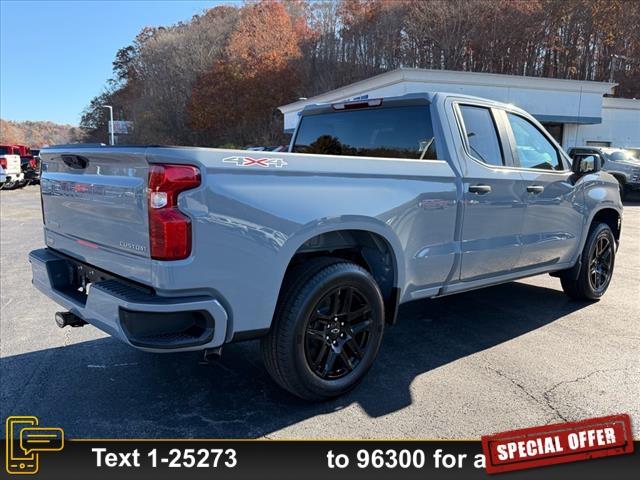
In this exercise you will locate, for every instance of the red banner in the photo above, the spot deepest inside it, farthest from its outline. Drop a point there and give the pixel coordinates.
(558, 443)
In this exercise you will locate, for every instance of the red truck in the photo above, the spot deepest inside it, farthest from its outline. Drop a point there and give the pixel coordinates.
(30, 164)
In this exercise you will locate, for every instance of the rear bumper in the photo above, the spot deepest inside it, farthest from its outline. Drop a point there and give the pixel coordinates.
(14, 177)
(138, 317)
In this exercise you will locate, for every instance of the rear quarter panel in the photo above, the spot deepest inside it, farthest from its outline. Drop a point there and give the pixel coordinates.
(248, 221)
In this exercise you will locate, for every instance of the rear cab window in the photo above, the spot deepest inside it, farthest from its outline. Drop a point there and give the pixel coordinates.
(392, 132)
(481, 134)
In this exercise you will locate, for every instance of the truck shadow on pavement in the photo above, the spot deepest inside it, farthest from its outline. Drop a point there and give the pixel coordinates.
(105, 389)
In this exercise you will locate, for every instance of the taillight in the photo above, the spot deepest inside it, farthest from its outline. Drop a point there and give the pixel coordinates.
(169, 228)
(3, 163)
(33, 163)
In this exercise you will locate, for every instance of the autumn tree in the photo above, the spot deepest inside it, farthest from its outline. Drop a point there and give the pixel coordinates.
(219, 77)
(154, 77)
(236, 100)
(37, 134)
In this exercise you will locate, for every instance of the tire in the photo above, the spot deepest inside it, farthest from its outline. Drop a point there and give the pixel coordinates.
(307, 351)
(585, 284)
(12, 185)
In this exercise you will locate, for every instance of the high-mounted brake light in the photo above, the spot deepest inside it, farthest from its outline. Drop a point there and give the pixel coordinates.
(169, 228)
(355, 104)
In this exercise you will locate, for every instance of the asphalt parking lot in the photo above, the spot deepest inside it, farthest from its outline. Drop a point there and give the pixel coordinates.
(512, 356)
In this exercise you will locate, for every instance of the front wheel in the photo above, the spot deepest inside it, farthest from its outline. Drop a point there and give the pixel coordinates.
(327, 329)
(592, 279)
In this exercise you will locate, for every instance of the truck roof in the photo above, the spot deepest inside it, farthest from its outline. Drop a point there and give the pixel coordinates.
(419, 98)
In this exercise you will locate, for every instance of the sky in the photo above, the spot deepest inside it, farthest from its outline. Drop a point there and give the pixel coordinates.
(56, 55)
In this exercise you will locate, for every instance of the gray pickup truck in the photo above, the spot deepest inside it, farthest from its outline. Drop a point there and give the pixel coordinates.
(378, 202)
(620, 163)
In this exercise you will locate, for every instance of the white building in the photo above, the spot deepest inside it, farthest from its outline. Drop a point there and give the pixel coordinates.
(575, 112)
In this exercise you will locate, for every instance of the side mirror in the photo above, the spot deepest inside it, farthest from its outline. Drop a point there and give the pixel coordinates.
(584, 163)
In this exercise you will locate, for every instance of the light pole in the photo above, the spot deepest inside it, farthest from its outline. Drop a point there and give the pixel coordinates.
(111, 139)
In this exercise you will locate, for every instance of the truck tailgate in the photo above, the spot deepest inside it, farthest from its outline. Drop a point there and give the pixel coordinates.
(13, 165)
(93, 199)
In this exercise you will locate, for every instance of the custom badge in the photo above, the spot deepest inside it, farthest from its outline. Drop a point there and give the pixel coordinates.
(255, 162)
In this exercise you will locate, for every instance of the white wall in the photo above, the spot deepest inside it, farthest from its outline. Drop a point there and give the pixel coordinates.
(538, 96)
(620, 125)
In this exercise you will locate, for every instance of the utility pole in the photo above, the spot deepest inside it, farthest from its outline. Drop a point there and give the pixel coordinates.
(111, 138)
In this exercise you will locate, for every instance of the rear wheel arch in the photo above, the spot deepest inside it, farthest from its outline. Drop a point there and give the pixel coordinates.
(371, 250)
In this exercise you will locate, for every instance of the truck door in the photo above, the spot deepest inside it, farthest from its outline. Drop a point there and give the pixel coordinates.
(493, 208)
(552, 225)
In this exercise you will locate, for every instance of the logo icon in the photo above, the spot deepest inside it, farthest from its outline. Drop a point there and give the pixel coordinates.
(256, 162)
(25, 440)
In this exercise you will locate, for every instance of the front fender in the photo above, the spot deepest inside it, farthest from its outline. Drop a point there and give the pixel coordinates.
(601, 192)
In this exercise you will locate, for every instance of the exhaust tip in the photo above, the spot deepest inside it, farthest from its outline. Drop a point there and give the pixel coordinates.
(64, 319)
(60, 320)
(211, 354)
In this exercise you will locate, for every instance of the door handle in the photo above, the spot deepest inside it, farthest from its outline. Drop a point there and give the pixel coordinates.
(535, 188)
(480, 189)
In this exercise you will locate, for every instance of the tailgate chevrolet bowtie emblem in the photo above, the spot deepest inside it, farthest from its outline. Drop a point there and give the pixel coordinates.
(255, 162)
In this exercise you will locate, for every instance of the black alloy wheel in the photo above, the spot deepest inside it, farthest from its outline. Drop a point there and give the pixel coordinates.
(327, 328)
(590, 277)
(600, 264)
(338, 332)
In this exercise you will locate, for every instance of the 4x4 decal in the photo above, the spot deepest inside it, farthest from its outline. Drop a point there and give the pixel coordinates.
(255, 162)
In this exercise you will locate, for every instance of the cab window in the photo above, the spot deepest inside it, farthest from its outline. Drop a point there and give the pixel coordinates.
(533, 148)
(482, 135)
(396, 132)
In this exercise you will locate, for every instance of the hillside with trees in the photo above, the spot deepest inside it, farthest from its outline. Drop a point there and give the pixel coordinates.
(219, 78)
(38, 134)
